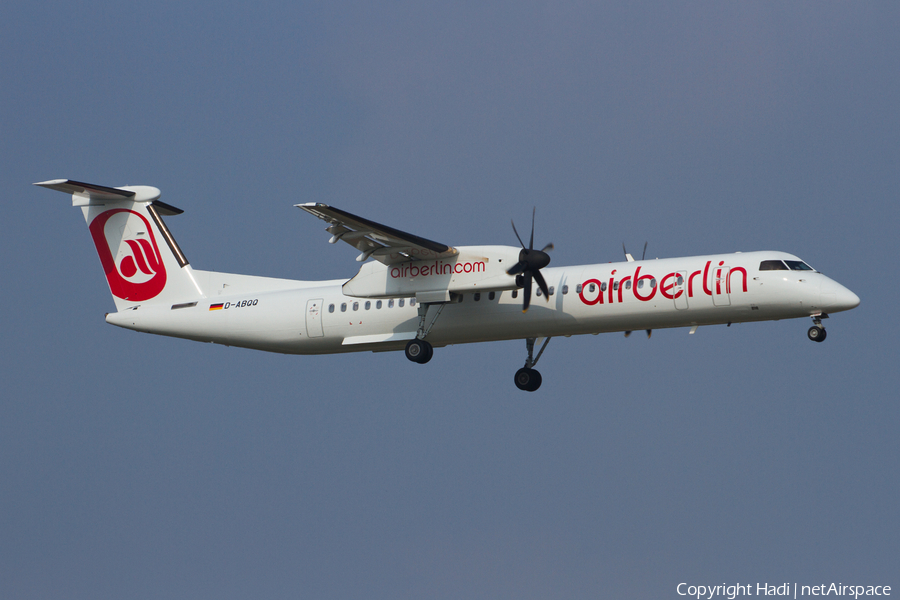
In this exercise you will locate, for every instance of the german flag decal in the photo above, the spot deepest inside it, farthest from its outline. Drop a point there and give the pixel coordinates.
(216, 306)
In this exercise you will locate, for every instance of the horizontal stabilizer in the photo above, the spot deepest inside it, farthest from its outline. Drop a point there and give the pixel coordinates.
(101, 192)
(89, 194)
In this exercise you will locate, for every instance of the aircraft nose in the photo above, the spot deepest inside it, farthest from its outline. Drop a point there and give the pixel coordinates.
(835, 297)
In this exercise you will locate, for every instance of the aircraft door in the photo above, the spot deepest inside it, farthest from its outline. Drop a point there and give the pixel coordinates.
(719, 287)
(314, 318)
(679, 290)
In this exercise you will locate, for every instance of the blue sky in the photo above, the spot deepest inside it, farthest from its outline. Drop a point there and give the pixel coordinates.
(146, 467)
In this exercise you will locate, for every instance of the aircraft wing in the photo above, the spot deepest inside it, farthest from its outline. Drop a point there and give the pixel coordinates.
(385, 244)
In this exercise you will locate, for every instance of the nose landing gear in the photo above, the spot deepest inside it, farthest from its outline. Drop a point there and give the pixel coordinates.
(817, 332)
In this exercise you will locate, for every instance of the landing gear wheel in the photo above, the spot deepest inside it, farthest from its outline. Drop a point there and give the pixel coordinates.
(528, 380)
(419, 351)
(816, 333)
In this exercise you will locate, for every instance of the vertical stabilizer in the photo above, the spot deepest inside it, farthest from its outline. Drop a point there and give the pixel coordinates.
(139, 256)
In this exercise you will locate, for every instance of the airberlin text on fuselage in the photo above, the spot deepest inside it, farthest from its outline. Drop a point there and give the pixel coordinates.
(436, 268)
(671, 286)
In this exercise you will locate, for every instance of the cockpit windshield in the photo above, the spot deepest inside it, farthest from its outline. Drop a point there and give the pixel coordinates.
(772, 265)
(786, 265)
(798, 265)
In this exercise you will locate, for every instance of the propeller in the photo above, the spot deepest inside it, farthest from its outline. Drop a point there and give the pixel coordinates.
(530, 263)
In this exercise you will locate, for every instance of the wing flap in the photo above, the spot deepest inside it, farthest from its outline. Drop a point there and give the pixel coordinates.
(381, 242)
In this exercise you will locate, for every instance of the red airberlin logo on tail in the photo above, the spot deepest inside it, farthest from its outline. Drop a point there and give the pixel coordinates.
(137, 273)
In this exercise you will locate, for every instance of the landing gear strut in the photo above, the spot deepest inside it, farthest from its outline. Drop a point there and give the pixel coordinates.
(817, 332)
(527, 378)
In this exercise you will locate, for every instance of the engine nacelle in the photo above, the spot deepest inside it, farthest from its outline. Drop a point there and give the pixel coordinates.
(475, 268)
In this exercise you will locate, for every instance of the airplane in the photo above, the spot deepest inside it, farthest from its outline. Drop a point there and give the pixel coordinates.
(416, 294)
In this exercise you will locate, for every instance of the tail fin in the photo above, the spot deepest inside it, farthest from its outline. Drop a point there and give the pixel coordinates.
(142, 262)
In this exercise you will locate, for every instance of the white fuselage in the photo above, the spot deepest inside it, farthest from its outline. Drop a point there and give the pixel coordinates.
(297, 317)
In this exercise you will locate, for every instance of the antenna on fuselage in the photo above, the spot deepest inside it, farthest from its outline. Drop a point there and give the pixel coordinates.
(629, 257)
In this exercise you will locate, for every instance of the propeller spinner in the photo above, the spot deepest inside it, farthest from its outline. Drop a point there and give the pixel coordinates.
(530, 263)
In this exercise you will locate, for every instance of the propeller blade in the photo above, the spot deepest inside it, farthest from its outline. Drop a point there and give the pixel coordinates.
(627, 333)
(548, 247)
(644, 253)
(649, 333)
(517, 268)
(531, 241)
(542, 284)
(517, 234)
(527, 290)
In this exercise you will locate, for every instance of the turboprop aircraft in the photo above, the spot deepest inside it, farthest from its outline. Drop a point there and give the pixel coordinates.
(414, 294)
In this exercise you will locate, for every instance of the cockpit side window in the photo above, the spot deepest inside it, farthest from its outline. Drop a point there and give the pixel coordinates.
(772, 265)
(798, 265)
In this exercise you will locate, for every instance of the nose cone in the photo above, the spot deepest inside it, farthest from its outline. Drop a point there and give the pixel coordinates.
(835, 297)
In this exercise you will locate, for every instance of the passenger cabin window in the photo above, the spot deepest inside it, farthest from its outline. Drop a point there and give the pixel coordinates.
(552, 290)
(412, 301)
(578, 289)
(772, 265)
(538, 291)
(378, 304)
(343, 307)
(565, 290)
(400, 302)
(492, 295)
(368, 304)
(331, 308)
(515, 294)
(356, 306)
(477, 296)
(798, 265)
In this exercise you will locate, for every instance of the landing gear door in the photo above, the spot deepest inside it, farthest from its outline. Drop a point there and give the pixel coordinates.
(314, 318)
(679, 290)
(719, 286)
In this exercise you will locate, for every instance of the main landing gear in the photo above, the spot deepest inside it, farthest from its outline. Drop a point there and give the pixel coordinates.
(418, 350)
(817, 332)
(527, 378)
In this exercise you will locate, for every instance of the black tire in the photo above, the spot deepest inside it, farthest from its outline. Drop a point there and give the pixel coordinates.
(419, 351)
(816, 333)
(528, 380)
